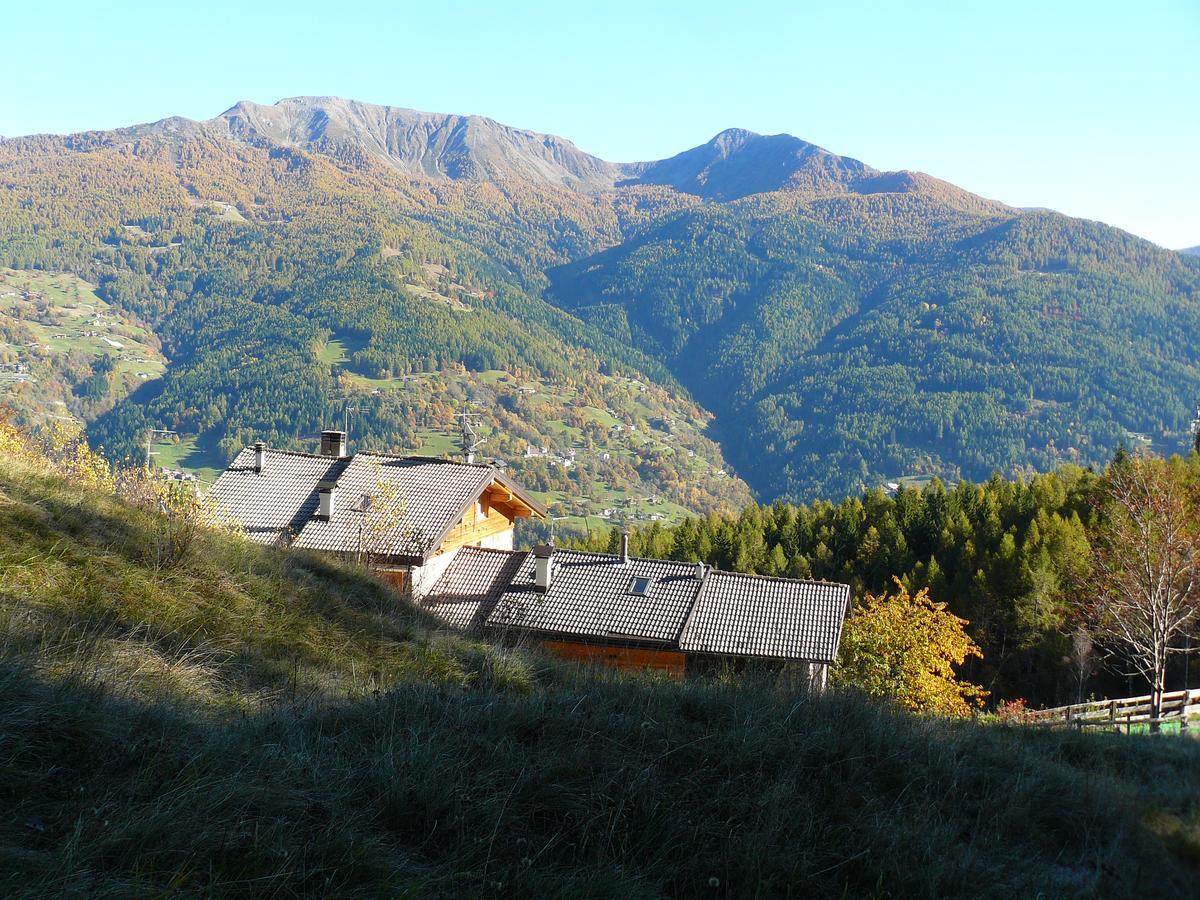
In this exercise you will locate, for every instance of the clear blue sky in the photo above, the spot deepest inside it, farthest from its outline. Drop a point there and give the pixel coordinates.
(1092, 108)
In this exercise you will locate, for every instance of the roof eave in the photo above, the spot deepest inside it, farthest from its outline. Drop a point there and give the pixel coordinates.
(517, 491)
(577, 637)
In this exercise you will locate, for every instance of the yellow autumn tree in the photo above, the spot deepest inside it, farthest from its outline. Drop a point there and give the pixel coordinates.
(14, 442)
(60, 448)
(68, 450)
(906, 647)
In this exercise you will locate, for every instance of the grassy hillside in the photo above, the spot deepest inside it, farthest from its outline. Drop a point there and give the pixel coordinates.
(249, 721)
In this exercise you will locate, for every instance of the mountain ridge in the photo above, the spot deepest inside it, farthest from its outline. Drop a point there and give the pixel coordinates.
(846, 326)
(733, 164)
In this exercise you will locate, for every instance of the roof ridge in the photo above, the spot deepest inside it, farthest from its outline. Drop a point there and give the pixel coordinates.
(417, 457)
(818, 581)
(697, 595)
(301, 453)
(413, 456)
(616, 557)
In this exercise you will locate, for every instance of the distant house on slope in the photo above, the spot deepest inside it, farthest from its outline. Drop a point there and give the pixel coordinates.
(637, 613)
(408, 514)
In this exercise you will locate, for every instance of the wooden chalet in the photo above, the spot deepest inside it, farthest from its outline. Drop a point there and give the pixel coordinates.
(640, 613)
(443, 531)
(407, 514)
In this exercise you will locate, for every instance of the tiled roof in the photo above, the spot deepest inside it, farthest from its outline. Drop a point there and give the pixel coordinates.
(589, 596)
(750, 615)
(415, 500)
(471, 585)
(281, 499)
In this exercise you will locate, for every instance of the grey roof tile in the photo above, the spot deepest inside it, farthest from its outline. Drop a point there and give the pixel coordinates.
(278, 501)
(473, 582)
(781, 618)
(416, 500)
(589, 597)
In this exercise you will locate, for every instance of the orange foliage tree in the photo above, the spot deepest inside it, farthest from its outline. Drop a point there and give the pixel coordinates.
(905, 647)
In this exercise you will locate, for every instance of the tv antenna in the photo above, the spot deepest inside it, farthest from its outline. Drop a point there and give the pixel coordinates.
(471, 441)
(346, 419)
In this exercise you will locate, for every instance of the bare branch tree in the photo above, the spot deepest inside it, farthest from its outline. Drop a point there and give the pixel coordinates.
(384, 529)
(1147, 591)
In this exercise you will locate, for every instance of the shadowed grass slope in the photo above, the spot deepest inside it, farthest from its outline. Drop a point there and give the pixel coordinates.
(253, 722)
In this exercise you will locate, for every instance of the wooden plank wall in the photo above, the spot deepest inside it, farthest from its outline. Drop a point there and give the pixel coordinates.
(496, 518)
(672, 661)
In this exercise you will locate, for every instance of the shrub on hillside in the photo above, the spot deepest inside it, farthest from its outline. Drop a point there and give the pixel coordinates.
(59, 448)
(906, 647)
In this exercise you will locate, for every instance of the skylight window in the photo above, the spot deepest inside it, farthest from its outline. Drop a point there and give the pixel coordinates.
(638, 585)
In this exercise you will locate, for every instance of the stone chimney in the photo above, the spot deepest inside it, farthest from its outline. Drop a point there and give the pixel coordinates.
(326, 494)
(333, 443)
(543, 570)
(260, 457)
(624, 547)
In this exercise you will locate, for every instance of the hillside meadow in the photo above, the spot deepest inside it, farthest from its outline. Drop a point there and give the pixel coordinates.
(238, 720)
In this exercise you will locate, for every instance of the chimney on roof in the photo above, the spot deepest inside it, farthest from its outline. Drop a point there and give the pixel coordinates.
(543, 559)
(260, 456)
(700, 571)
(326, 493)
(624, 546)
(333, 443)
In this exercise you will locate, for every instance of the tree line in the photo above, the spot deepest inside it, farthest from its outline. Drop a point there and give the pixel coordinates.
(1042, 569)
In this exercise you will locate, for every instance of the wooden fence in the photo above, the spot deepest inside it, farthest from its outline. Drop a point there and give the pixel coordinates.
(1120, 715)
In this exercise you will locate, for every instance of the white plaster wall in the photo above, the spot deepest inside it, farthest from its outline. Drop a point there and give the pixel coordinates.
(424, 577)
(502, 541)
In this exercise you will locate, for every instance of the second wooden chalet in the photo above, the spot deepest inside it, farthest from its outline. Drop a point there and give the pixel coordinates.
(637, 613)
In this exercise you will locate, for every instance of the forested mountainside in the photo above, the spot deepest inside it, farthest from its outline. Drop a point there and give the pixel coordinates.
(285, 286)
(845, 326)
(851, 340)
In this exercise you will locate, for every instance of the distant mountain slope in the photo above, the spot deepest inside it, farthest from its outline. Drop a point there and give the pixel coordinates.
(738, 162)
(848, 341)
(286, 286)
(734, 164)
(1191, 251)
(847, 326)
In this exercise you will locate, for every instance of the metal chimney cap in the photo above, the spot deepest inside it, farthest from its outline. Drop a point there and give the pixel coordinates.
(543, 551)
(326, 485)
